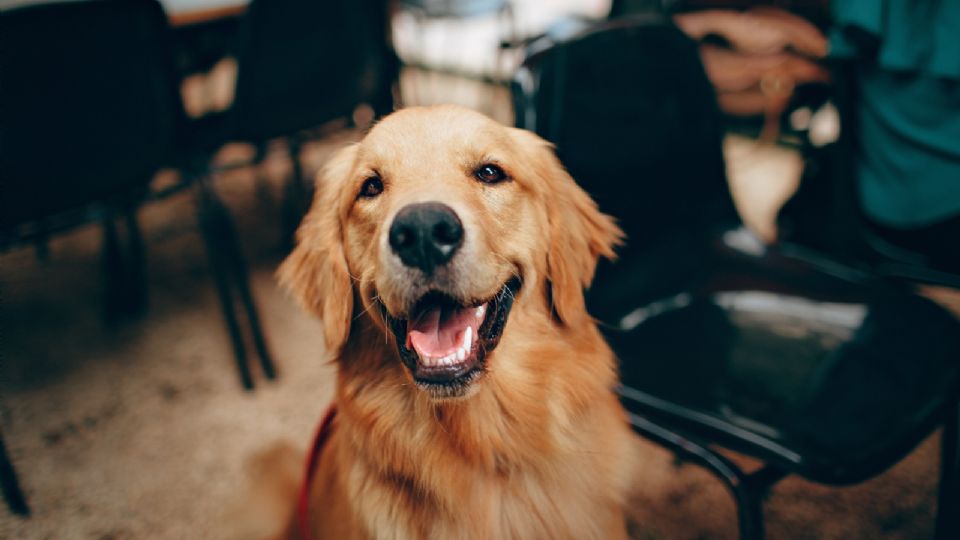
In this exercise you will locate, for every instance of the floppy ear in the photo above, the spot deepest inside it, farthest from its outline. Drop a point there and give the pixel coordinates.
(316, 271)
(579, 234)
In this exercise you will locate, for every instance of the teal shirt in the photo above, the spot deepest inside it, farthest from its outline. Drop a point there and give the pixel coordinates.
(909, 107)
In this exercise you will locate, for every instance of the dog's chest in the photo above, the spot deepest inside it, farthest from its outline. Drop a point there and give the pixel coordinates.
(505, 506)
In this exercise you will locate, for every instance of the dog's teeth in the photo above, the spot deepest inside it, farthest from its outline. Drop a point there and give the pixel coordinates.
(480, 311)
(461, 354)
(468, 338)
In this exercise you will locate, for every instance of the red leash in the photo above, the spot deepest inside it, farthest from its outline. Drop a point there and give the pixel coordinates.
(313, 458)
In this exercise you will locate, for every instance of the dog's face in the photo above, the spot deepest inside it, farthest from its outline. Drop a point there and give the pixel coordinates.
(436, 224)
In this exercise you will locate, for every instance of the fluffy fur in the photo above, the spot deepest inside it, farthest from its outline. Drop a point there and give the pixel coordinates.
(539, 447)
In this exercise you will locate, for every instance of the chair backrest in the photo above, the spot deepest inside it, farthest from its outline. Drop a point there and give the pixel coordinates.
(634, 119)
(301, 64)
(89, 103)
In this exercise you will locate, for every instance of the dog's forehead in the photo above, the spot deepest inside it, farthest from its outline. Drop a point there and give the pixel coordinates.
(421, 135)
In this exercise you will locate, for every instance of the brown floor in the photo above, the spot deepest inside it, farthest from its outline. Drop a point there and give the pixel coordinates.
(141, 430)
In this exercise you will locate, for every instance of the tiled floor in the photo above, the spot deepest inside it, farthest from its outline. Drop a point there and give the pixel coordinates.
(141, 430)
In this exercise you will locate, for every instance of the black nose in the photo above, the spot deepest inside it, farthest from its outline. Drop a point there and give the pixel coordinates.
(426, 235)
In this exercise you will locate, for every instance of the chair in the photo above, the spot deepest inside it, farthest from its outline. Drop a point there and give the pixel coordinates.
(301, 65)
(88, 153)
(89, 115)
(815, 368)
(97, 89)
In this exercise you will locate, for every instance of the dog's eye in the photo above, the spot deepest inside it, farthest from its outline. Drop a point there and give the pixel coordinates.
(372, 187)
(490, 174)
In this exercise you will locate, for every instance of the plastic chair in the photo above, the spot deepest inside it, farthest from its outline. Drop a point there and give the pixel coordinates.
(813, 367)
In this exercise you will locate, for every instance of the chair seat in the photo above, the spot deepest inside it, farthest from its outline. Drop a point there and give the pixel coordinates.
(817, 368)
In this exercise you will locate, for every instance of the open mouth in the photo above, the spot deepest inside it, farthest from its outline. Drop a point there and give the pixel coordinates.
(445, 342)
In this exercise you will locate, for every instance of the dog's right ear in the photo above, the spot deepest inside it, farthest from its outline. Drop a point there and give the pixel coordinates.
(316, 271)
(578, 232)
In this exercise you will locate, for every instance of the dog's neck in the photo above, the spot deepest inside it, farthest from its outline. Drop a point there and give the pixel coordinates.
(518, 414)
(543, 420)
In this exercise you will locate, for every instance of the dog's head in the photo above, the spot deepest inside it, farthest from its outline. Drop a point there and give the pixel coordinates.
(434, 227)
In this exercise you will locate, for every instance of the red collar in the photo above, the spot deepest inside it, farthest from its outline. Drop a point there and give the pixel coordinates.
(313, 458)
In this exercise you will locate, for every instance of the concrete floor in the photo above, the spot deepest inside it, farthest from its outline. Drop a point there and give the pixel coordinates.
(141, 430)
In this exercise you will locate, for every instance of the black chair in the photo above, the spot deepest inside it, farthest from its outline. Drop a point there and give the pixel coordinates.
(92, 110)
(89, 116)
(85, 126)
(301, 65)
(816, 368)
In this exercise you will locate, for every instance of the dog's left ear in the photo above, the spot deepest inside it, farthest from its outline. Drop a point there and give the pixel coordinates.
(579, 233)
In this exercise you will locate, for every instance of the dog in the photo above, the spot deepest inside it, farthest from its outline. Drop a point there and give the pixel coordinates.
(447, 256)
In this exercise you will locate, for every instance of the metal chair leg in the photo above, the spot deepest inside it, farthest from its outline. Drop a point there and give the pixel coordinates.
(12, 493)
(747, 490)
(136, 284)
(948, 500)
(124, 287)
(211, 217)
(230, 272)
(241, 279)
(112, 270)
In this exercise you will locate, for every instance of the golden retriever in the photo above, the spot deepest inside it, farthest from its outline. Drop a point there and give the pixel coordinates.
(447, 256)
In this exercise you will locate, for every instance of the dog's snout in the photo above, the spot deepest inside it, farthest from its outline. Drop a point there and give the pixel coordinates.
(426, 235)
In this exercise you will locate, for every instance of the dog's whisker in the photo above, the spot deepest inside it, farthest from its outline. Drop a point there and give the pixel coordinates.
(363, 312)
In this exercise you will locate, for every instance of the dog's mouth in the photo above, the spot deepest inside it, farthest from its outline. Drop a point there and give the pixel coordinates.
(444, 342)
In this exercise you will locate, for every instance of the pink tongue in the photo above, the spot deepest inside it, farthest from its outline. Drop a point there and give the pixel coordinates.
(437, 332)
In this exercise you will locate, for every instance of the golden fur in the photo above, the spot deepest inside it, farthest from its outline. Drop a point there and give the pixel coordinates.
(540, 446)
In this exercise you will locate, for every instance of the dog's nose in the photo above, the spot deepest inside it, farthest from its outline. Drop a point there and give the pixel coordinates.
(426, 235)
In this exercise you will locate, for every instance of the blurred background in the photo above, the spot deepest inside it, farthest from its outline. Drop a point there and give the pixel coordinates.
(784, 310)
